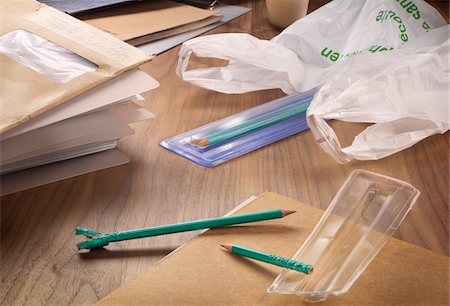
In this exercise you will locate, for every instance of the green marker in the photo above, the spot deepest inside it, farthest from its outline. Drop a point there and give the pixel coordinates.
(270, 258)
(99, 240)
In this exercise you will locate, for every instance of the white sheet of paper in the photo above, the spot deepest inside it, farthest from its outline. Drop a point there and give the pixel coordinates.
(229, 12)
(61, 155)
(81, 135)
(54, 172)
(87, 144)
(71, 131)
(123, 87)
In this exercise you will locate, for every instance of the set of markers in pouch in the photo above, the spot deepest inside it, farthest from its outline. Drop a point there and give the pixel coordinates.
(233, 136)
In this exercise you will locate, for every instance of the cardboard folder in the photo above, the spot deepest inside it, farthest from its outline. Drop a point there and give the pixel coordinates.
(201, 273)
(142, 22)
(26, 92)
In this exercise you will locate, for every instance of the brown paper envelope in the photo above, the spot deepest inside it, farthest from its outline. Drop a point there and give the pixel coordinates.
(116, 89)
(174, 31)
(27, 93)
(134, 20)
(202, 273)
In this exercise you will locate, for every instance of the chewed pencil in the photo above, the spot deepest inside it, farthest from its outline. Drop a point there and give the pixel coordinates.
(269, 258)
(99, 240)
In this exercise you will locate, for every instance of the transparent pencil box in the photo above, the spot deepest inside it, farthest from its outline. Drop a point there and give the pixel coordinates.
(241, 133)
(359, 221)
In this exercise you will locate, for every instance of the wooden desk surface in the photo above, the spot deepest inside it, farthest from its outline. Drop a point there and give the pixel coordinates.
(39, 260)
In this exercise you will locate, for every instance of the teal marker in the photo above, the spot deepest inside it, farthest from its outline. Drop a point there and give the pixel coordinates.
(270, 258)
(99, 240)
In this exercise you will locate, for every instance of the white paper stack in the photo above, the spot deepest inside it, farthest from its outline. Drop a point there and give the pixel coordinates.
(76, 137)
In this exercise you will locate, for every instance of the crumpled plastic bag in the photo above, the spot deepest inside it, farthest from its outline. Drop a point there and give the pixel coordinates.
(382, 62)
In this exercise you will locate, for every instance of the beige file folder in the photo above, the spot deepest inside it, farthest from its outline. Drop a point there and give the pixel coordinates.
(142, 22)
(27, 93)
(201, 273)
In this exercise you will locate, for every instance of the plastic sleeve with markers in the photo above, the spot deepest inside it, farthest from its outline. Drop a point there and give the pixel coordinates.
(233, 136)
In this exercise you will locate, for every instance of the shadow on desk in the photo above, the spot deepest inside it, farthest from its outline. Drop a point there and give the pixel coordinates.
(102, 253)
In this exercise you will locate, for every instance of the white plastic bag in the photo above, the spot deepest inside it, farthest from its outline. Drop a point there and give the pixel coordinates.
(407, 99)
(383, 62)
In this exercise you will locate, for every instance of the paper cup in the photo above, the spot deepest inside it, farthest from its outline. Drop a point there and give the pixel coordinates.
(282, 13)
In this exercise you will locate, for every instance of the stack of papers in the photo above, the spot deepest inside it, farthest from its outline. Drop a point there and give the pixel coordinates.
(155, 26)
(69, 93)
(142, 22)
(229, 12)
(87, 124)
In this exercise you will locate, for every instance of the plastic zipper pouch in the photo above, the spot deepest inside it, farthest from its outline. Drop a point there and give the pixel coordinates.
(366, 211)
(233, 136)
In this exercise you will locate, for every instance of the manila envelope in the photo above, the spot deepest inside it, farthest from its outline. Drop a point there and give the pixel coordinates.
(26, 92)
(142, 22)
(202, 273)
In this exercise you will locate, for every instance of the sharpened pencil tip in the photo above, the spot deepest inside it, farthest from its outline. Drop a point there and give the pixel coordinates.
(226, 247)
(202, 143)
(287, 212)
(311, 270)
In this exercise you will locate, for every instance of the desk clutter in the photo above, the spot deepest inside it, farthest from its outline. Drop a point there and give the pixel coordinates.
(357, 224)
(372, 62)
(155, 26)
(79, 87)
(231, 137)
(72, 88)
(203, 273)
(70, 94)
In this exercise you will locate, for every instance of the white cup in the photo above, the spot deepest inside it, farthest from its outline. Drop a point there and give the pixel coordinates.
(284, 12)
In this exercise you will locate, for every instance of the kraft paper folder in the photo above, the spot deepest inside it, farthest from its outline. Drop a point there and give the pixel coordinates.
(201, 273)
(68, 93)
(27, 93)
(141, 22)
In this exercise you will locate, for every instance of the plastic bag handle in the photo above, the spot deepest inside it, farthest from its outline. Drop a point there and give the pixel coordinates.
(326, 138)
(248, 57)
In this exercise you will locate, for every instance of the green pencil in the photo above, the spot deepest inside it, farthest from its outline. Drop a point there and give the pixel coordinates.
(100, 240)
(221, 135)
(270, 258)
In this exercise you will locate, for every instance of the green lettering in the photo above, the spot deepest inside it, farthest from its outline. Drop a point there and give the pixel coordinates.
(373, 49)
(382, 49)
(404, 37)
(379, 16)
(402, 28)
(425, 26)
(323, 52)
(412, 8)
(334, 57)
(416, 15)
(405, 5)
(398, 19)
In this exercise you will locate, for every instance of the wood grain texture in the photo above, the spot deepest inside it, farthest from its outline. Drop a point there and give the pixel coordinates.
(39, 261)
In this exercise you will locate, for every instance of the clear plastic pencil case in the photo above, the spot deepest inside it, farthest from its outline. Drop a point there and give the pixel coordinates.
(241, 133)
(363, 215)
